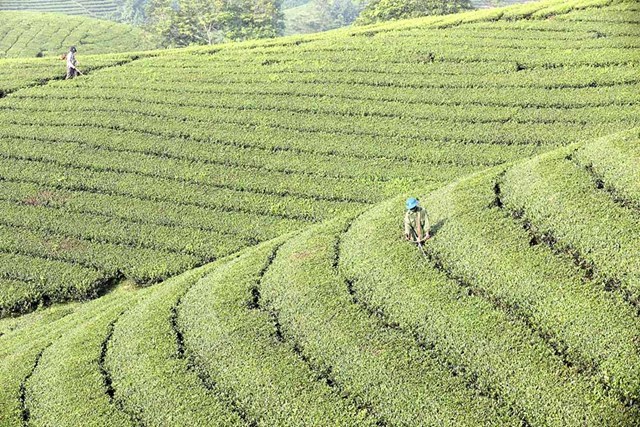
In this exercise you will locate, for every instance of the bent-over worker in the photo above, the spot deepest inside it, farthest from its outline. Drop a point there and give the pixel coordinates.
(72, 63)
(416, 222)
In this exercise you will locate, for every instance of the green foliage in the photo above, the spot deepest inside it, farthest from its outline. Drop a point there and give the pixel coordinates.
(140, 265)
(523, 310)
(346, 324)
(20, 73)
(206, 22)
(234, 345)
(381, 368)
(103, 9)
(303, 19)
(212, 175)
(31, 280)
(67, 388)
(187, 156)
(614, 163)
(469, 330)
(10, 325)
(151, 378)
(133, 12)
(27, 34)
(389, 10)
(21, 351)
(242, 225)
(563, 206)
(204, 245)
(528, 280)
(338, 13)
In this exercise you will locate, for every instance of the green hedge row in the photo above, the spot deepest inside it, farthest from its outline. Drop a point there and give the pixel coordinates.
(380, 368)
(615, 161)
(609, 16)
(21, 350)
(357, 73)
(606, 95)
(13, 325)
(157, 189)
(530, 11)
(234, 345)
(509, 38)
(68, 387)
(32, 280)
(155, 120)
(530, 57)
(561, 28)
(277, 149)
(138, 210)
(589, 327)
(138, 264)
(151, 378)
(283, 63)
(188, 98)
(497, 353)
(204, 245)
(206, 175)
(25, 34)
(561, 201)
(246, 141)
(21, 73)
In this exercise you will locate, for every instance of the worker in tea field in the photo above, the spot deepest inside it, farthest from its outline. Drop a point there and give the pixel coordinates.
(72, 63)
(416, 222)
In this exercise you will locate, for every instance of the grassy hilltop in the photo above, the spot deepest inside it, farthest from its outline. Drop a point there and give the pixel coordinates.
(104, 9)
(156, 164)
(510, 319)
(28, 34)
(280, 167)
(191, 155)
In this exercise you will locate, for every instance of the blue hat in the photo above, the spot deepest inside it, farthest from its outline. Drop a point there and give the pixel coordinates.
(412, 202)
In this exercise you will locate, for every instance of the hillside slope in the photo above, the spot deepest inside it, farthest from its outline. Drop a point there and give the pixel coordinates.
(28, 34)
(511, 305)
(485, 4)
(345, 323)
(153, 165)
(105, 9)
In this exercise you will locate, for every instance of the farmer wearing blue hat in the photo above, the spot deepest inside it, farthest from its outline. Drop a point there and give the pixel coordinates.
(416, 222)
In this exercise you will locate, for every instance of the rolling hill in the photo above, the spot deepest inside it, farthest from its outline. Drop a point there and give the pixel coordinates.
(303, 17)
(260, 186)
(485, 4)
(28, 34)
(152, 165)
(338, 332)
(104, 9)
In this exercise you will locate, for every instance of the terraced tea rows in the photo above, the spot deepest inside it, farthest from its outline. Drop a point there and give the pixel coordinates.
(18, 73)
(27, 34)
(582, 326)
(106, 9)
(347, 324)
(191, 155)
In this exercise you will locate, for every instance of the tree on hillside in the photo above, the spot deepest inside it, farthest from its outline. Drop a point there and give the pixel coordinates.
(160, 19)
(132, 12)
(187, 22)
(338, 13)
(388, 10)
(202, 21)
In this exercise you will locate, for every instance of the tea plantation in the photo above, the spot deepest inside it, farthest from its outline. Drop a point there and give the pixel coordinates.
(30, 35)
(104, 9)
(262, 184)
